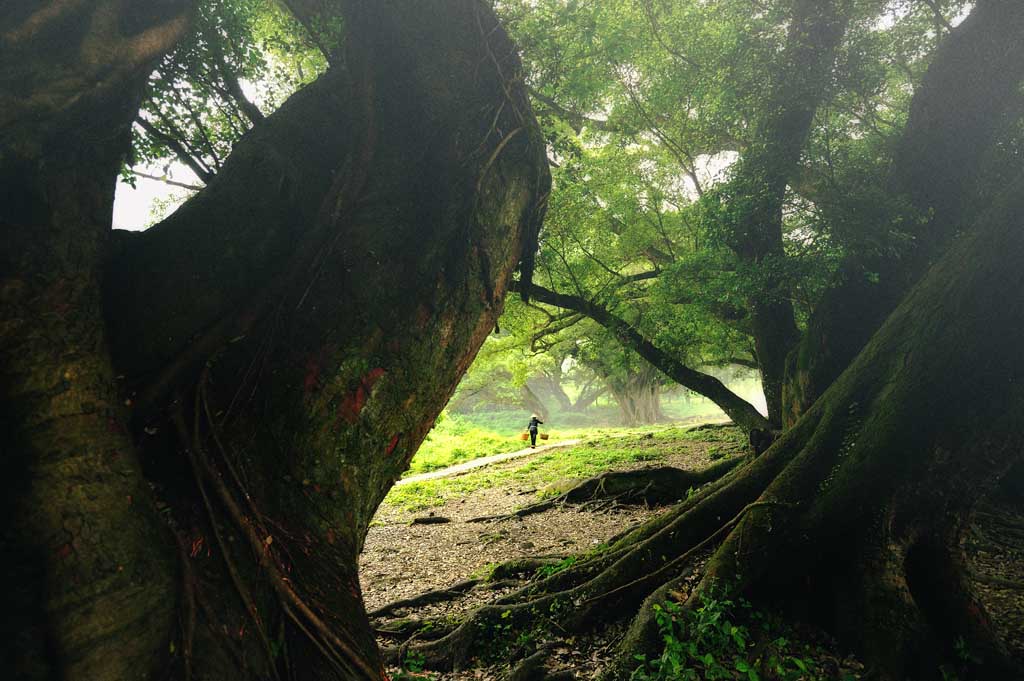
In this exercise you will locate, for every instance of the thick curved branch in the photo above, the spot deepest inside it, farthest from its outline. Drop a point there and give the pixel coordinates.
(739, 410)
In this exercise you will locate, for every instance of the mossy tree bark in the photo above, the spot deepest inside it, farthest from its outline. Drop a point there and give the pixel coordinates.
(882, 471)
(88, 571)
(756, 192)
(957, 113)
(286, 338)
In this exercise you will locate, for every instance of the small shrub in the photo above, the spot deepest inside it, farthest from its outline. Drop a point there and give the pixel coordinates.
(709, 643)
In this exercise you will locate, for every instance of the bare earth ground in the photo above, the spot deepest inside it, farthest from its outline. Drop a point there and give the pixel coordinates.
(995, 553)
(392, 565)
(401, 559)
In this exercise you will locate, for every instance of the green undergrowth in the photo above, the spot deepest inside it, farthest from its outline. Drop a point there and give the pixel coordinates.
(726, 639)
(599, 453)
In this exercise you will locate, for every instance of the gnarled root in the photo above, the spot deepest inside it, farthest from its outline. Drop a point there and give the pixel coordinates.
(606, 585)
(647, 486)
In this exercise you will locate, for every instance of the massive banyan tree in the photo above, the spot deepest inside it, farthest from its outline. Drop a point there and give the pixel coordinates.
(199, 421)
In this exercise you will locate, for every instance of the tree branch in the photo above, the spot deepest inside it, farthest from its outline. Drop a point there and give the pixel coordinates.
(167, 180)
(197, 167)
(656, 32)
(940, 19)
(738, 409)
(577, 120)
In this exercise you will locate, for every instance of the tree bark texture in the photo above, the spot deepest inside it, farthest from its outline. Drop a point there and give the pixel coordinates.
(956, 115)
(883, 470)
(286, 339)
(88, 571)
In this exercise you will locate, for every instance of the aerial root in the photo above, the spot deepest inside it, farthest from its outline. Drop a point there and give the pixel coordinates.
(336, 645)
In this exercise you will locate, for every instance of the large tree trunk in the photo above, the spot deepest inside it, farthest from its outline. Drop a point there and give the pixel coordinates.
(866, 496)
(88, 571)
(758, 188)
(955, 116)
(288, 338)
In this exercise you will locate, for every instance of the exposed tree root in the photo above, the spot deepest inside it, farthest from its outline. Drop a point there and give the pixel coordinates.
(649, 486)
(532, 667)
(610, 583)
(426, 598)
(505, 575)
(523, 567)
(406, 629)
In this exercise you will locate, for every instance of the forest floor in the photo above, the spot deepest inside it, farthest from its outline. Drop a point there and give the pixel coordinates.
(422, 539)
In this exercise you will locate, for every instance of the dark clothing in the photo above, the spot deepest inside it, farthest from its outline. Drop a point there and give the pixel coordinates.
(534, 423)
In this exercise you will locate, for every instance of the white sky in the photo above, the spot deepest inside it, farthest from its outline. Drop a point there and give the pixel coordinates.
(151, 200)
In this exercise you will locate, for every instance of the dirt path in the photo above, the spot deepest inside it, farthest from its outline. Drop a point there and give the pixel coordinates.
(401, 559)
(484, 461)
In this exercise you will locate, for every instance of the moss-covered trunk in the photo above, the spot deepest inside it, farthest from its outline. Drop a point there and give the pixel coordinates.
(956, 115)
(88, 574)
(298, 326)
(881, 474)
(284, 341)
(88, 569)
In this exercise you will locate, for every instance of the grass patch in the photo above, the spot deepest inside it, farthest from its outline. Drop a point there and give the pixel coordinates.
(455, 440)
(459, 438)
(610, 448)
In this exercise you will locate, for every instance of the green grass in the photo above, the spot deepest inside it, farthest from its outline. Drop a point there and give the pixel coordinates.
(457, 438)
(604, 450)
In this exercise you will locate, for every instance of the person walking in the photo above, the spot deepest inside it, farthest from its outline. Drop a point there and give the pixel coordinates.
(534, 423)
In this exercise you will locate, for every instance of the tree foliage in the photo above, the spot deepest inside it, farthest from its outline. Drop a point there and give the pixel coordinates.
(659, 120)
